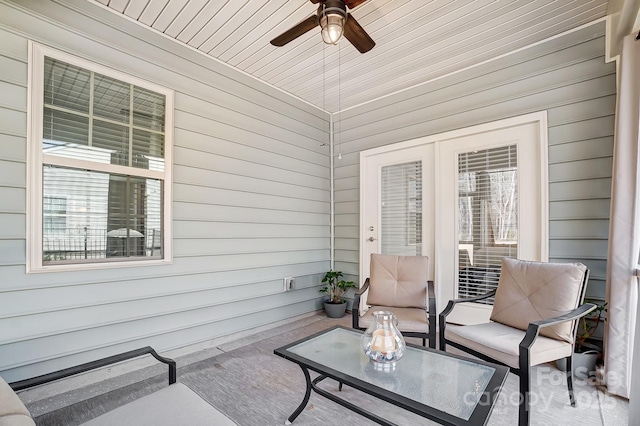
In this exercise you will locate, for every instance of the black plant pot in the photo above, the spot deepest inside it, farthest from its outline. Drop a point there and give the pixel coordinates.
(583, 364)
(335, 310)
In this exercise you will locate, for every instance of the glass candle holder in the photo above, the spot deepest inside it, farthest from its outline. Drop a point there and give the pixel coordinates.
(382, 342)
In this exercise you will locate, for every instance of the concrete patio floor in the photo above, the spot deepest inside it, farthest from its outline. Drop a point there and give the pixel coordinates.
(63, 402)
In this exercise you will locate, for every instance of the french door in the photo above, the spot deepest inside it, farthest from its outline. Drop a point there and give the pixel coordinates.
(465, 199)
(398, 218)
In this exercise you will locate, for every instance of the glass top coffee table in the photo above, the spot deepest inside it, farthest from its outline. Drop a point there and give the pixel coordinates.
(445, 388)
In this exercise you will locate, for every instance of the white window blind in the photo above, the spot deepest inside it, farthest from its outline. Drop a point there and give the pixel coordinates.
(487, 217)
(401, 209)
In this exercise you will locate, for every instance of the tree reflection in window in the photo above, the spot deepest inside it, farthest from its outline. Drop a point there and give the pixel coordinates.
(487, 216)
(488, 196)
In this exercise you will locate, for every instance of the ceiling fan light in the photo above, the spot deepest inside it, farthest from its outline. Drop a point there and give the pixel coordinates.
(332, 25)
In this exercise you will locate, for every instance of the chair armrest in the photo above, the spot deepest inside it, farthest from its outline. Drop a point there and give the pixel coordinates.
(355, 308)
(534, 327)
(362, 289)
(452, 303)
(60, 374)
(431, 294)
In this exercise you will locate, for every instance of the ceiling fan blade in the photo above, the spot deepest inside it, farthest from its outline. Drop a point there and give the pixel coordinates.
(353, 3)
(293, 33)
(357, 35)
(350, 3)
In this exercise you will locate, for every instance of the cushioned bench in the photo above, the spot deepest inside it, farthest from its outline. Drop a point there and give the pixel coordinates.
(173, 405)
(12, 410)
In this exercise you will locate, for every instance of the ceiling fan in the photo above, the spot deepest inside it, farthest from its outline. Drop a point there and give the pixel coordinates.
(334, 21)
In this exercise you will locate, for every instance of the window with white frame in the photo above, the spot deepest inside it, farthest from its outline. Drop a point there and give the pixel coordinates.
(100, 166)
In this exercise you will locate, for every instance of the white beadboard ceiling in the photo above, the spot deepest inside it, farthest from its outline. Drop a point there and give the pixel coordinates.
(416, 40)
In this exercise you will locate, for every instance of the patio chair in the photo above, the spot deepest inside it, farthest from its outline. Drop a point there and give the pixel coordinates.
(399, 284)
(533, 321)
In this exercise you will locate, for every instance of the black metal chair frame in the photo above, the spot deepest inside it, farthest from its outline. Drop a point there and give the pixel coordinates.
(429, 334)
(523, 370)
(67, 372)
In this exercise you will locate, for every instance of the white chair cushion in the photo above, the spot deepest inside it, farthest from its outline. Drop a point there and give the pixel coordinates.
(398, 281)
(501, 343)
(409, 319)
(532, 291)
(170, 406)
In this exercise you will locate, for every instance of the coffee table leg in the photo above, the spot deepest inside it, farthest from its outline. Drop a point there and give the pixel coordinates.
(304, 402)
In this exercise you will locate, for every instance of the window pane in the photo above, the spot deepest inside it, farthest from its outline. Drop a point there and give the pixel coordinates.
(401, 210)
(148, 109)
(63, 131)
(55, 215)
(465, 220)
(503, 200)
(148, 150)
(66, 86)
(112, 139)
(487, 217)
(106, 216)
(111, 98)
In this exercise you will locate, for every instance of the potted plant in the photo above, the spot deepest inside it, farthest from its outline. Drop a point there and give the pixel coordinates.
(586, 353)
(335, 287)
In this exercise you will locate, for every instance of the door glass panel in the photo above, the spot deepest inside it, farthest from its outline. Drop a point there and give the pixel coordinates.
(401, 209)
(487, 217)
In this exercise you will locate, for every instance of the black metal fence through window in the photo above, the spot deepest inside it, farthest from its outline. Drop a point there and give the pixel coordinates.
(85, 244)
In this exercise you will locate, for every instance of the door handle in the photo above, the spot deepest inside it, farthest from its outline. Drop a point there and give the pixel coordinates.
(371, 239)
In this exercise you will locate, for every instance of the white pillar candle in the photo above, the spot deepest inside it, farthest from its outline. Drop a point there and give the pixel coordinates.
(382, 341)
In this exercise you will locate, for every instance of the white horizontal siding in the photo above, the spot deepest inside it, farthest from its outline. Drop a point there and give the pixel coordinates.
(585, 229)
(202, 246)
(567, 77)
(16, 69)
(16, 283)
(212, 212)
(13, 200)
(12, 225)
(13, 174)
(579, 189)
(237, 181)
(96, 316)
(579, 209)
(229, 230)
(582, 149)
(12, 148)
(251, 205)
(566, 171)
(193, 325)
(196, 333)
(198, 194)
(14, 122)
(12, 252)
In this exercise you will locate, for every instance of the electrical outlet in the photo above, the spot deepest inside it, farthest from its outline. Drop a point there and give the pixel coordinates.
(288, 283)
